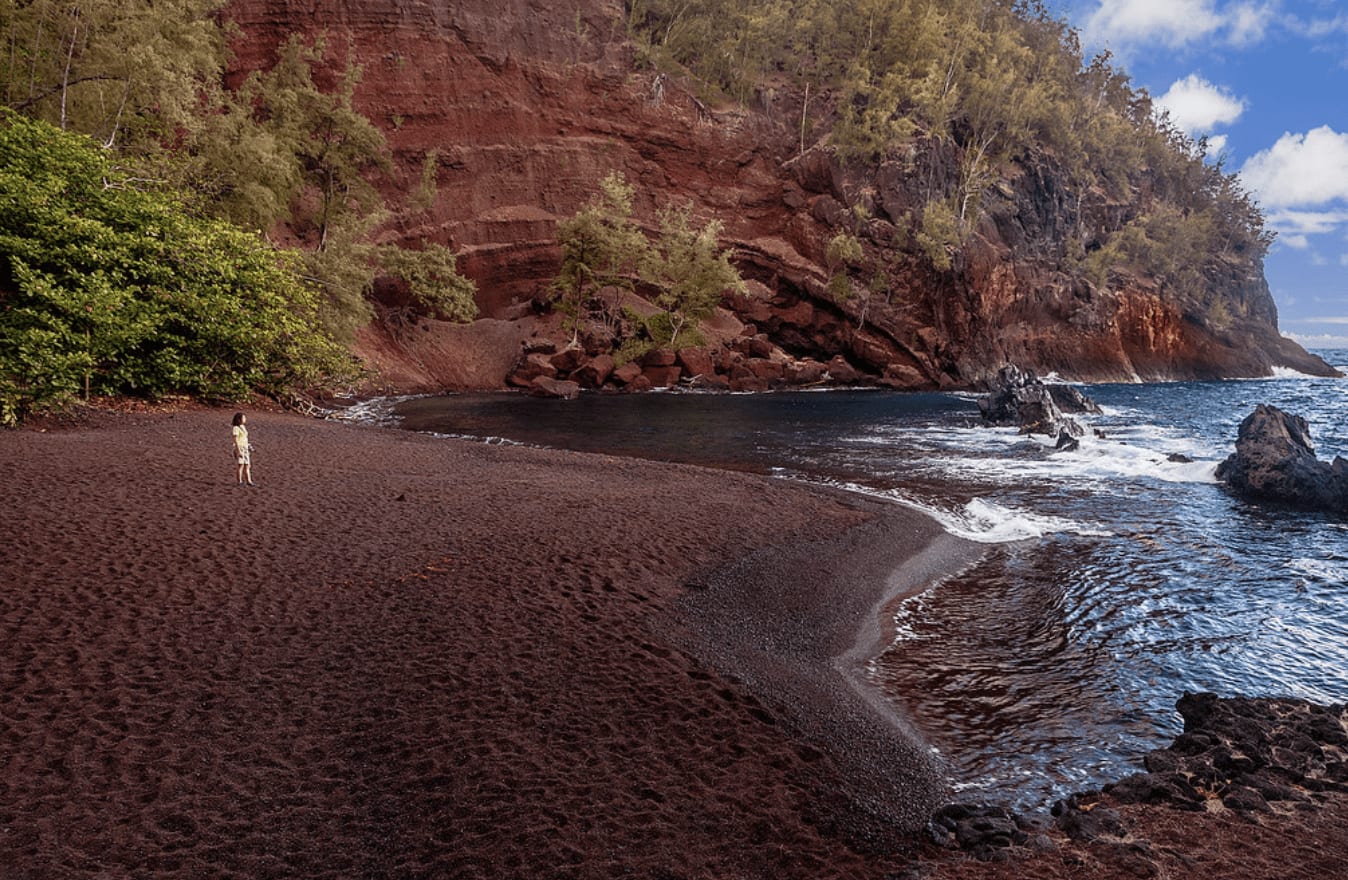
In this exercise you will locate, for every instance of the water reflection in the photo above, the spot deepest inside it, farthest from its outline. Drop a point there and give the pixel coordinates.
(1055, 663)
(1012, 679)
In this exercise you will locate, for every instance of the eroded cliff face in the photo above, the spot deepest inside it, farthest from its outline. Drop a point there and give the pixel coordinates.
(529, 103)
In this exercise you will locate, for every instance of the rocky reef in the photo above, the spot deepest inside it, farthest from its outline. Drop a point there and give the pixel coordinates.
(1275, 461)
(1254, 755)
(1019, 398)
(1252, 758)
(524, 106)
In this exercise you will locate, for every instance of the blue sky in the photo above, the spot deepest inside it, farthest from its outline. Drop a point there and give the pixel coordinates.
(1267, 82)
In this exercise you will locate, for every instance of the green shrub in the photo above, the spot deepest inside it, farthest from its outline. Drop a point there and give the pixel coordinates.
(109, 289)
(433, 280)
(939, 236)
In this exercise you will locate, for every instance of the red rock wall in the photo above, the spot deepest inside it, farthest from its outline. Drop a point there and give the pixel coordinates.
(529, 103)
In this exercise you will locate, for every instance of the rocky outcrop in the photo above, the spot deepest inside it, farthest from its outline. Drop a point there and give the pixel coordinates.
(1275, 461)
(1018, 398)
(746, 363)
(1246, 753)
(986, 832)
(525, 105)
(1246, 756)
(558, 388)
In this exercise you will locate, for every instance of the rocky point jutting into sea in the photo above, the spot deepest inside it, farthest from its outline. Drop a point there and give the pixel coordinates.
(529, 103)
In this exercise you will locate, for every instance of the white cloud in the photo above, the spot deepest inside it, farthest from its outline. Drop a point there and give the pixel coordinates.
(1177, 22)
(1318, 340)
(1216, 144)
(1300, 170)
(1294, 228)
(1307, 222)
(1247, 23)
(1197, 106)
(1322, 27)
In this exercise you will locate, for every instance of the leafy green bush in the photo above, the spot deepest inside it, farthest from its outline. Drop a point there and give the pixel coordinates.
(109, 289)
(657, 330)
(603, 248)
(939, 235)
(433, 280)
(1158, 244)
(689, 269)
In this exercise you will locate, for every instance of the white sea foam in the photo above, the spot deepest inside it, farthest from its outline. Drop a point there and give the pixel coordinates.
(981, 520)
(1332, 571)
(1002, 455)
(988, 522)
(1289, 373)
(375, 411)
(487, 440)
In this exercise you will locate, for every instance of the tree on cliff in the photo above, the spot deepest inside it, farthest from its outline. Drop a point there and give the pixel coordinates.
(957, 91)
(132, 75)
(689, 269)
(601, 248)
(604, 249)
(146, 81)
(321, 153)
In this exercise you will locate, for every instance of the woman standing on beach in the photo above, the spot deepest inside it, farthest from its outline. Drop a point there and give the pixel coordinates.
(243, 464)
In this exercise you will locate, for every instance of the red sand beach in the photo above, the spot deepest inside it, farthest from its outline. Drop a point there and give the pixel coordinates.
(402, 656)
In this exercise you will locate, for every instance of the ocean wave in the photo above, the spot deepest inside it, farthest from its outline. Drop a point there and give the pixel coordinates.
(375, 411)
(1289, 373)
(988, 522)
(479, 438)
(1332, 571)
(1137, 453)
(980, 520)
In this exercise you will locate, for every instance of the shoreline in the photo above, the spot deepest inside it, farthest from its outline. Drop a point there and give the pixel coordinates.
(409, 656)
(398, 635)
(797, 624)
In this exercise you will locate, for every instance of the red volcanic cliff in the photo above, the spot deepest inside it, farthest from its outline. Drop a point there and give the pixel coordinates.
(529, 103)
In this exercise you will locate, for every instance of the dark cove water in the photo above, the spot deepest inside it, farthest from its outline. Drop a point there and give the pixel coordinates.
(1115, 579)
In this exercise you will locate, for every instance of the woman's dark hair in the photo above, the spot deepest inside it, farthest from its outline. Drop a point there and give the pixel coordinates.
(238, 418)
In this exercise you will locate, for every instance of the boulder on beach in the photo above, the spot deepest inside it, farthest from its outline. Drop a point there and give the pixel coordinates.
(1275, 461)
(1071, 399)
(564, 389)
(594, 372)
(1018, 398)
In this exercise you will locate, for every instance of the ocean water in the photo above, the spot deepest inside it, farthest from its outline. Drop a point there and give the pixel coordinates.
(1115, 578)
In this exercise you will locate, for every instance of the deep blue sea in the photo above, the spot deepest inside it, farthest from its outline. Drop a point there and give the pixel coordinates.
(1114, 579)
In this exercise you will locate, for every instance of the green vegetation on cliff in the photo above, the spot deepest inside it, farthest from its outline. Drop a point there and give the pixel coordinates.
(144, 82)
(604, 253)
(1003, 82)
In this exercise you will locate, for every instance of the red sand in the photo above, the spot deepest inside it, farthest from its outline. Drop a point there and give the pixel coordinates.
(409, 657)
